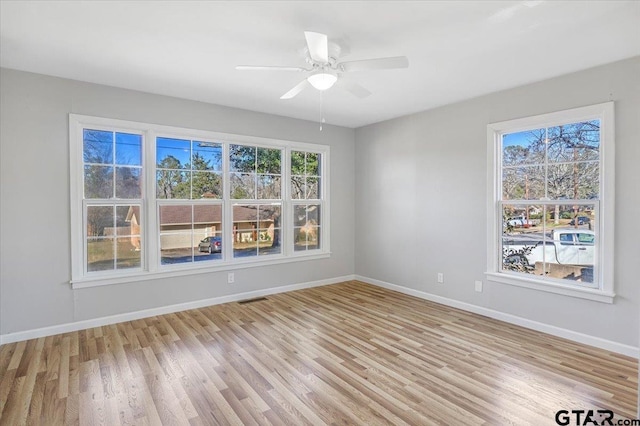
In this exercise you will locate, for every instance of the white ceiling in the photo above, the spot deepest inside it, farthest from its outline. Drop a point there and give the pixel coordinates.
(456, 49)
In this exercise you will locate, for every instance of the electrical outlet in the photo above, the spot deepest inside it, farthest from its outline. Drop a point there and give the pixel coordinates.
(440, 277)
(231, 278)
(479, 286)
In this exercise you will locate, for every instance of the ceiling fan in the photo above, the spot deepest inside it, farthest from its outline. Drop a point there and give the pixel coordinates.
(324, 70)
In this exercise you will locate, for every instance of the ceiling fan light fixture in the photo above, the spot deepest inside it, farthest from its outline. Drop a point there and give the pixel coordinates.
(322, 80)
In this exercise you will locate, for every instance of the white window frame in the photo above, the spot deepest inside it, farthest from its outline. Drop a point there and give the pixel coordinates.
(151, 267)
(605, 250)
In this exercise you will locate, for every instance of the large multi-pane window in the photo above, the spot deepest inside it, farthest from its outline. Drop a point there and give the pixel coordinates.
(152, 199)
(549, 204)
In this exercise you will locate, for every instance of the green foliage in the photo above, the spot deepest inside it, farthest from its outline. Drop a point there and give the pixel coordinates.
(176, 181)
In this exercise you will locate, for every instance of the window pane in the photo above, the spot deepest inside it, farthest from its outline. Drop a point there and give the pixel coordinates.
(97, 146)
(298, 189)
(245, 230)
(127, 255)
(207, 156)
(521, 217)
(526, 147)
(206, 185)
(306, 221)
(523, 183)
(268, 187)
(100, 221)
(128, 149)
(256, 230)
(176, 234)
(128, 182)
(242, 158)
(100, 254)
(173, 153)
(269, 229)
(207, 232)
(98, 182)
(312, 188)
(573, 181)
(269, 161)
(297, 163)
(172, 184)
(313, 164)
(574, 142)
(243, 186)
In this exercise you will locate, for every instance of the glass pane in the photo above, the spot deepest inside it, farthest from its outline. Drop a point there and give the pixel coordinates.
(245, 230)
(173, 153)
(573, 181)
(206, 185)
(176, 235)
(128, 182)
(98, 182)
(574, 142)
(128, 220)
(269, 161)
(100, 254)
(313, 188)
(128, 149)
(243, 186)
(297, 163)
(128, 255)
(242, 158)
(100, 221)
(269, 229)
(523, 183)
(526, 147)
(97, 146)
(522, 218)
(172, 184)
(297, 187)
(306, 219)
(313, 164)
(207, 156)
(268, 187)
(207, 232)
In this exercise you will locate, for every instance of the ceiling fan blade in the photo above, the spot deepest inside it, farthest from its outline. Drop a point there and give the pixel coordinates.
(374, 64)
(354, 88)
(318, 45)
(268, 68)
(296, 89)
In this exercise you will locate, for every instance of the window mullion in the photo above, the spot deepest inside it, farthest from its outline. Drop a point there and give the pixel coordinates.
(151, 228)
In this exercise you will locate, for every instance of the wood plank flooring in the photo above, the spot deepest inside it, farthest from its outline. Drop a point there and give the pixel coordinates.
(349, 353)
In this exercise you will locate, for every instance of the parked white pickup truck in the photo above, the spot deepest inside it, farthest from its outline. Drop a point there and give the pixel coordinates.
(568, 246)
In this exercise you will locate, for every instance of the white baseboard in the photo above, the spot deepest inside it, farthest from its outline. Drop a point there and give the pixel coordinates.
(512, 319)
(146, 313)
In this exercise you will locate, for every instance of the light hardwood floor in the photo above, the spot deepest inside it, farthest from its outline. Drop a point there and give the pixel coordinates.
(349, 353)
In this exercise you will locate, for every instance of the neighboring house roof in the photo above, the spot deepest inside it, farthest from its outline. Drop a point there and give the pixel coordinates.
(181, 215)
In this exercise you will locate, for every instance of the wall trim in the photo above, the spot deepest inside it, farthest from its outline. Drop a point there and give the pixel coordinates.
(146, 313)
(512, 319)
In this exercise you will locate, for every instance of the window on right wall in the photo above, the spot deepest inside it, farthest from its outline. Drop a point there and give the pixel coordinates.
(551, 202)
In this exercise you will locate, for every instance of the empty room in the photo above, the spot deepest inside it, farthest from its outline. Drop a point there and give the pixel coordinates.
(319, 212)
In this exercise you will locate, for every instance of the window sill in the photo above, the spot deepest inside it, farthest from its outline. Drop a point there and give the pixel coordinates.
(550, 287)
(87, 282)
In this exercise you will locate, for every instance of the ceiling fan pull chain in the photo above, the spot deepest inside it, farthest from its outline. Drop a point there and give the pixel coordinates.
(321, 110)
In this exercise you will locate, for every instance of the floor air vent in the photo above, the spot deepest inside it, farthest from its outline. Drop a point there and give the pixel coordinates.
(257, 299)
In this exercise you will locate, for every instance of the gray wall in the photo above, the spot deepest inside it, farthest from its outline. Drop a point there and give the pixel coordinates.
(34, 201)
(421, 201)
